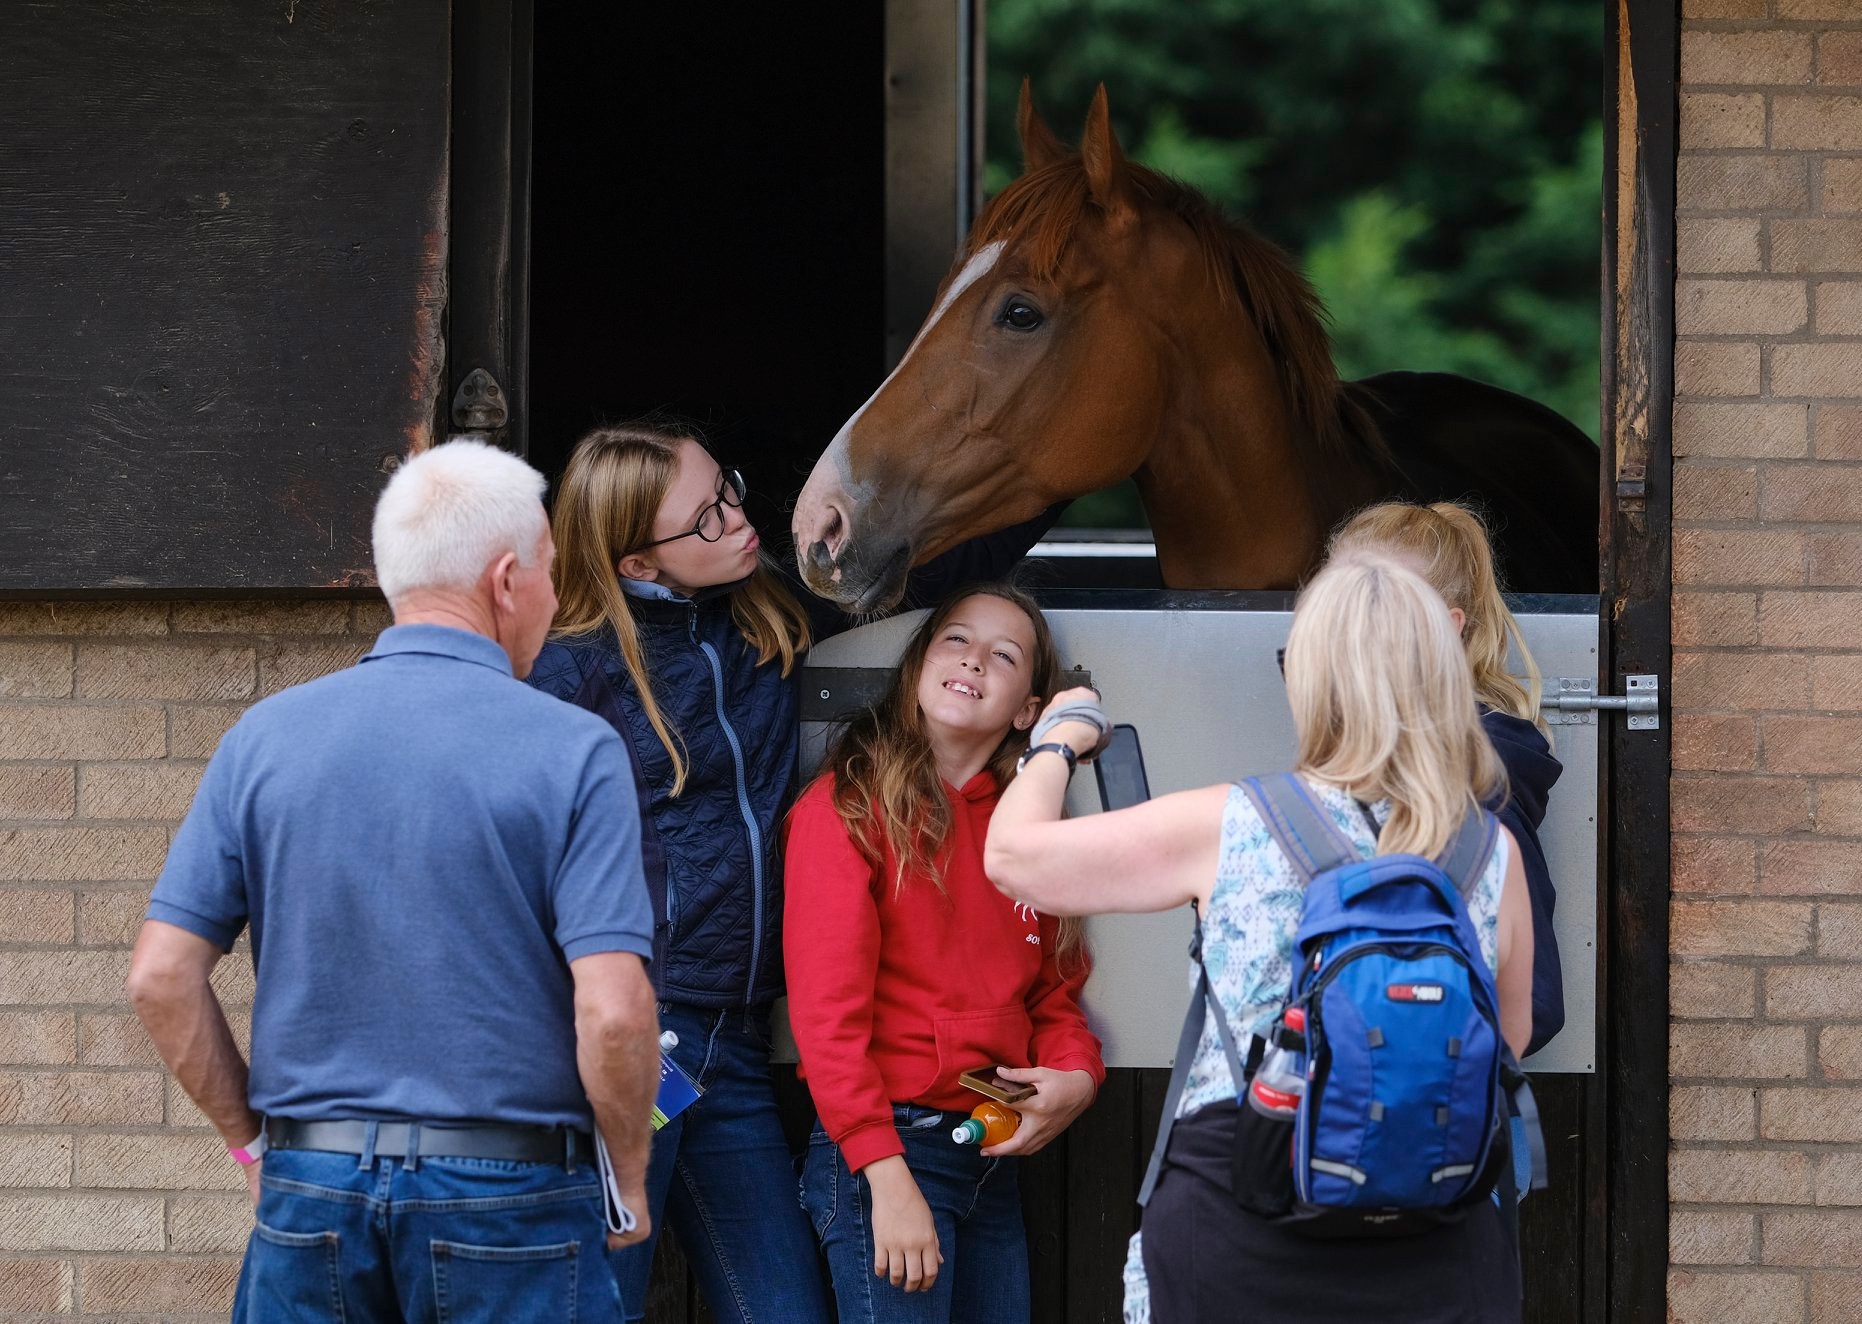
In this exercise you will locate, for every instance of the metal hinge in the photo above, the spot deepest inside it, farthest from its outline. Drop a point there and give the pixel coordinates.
(480, 409)
(1574, 701)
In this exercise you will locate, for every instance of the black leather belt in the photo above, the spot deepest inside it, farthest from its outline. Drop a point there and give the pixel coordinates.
(410, 1140)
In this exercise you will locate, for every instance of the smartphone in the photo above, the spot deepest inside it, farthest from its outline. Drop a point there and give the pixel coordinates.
(986, 1082)
(1120, 769)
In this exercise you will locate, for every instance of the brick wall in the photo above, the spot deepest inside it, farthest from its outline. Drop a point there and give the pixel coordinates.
(1765, 1176)
(115, 1196)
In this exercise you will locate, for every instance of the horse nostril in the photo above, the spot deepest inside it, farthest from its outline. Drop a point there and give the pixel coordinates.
(819, 558)
(835, 532)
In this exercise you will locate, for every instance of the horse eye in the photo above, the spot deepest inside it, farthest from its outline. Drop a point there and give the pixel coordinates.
(1018, 315)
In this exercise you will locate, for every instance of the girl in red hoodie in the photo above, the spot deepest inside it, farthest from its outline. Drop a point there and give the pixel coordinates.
(906, 968)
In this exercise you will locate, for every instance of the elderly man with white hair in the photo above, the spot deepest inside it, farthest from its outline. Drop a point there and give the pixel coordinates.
(440, 870)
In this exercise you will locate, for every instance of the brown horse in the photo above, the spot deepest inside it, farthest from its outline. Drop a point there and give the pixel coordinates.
(1104, 321)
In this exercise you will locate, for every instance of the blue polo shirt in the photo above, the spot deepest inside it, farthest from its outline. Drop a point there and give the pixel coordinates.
(420, 845)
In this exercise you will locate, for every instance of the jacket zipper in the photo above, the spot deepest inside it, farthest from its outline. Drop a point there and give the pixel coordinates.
(743, 807)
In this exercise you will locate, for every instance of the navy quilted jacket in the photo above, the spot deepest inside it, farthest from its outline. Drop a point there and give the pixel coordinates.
(713, 856)
(1531, 772)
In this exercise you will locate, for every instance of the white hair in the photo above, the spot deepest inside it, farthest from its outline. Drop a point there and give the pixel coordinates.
(451, 511)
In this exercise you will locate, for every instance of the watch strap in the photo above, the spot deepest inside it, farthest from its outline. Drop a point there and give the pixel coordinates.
(1065, 751)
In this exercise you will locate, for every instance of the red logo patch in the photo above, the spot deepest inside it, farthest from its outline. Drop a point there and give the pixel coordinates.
(1415, 992)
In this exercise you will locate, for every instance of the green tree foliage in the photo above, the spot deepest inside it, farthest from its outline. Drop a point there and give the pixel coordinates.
(1437, 163)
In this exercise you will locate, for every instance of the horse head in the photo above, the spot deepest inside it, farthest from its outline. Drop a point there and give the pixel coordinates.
(1041, 373)
(1103, 321)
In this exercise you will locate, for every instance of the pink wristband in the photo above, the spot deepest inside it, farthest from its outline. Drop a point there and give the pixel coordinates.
(250, 1152)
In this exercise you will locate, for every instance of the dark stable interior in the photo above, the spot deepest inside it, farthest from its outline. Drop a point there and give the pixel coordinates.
(708, 225)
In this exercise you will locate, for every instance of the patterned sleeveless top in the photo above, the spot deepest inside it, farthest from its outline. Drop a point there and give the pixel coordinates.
(1253, 913)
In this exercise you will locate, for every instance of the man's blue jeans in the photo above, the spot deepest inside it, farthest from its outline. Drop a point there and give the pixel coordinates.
(446, 1239)
(723, 1178)
(975, 1204)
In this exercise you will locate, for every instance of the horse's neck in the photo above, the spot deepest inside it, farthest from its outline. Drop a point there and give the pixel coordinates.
(1227, 495)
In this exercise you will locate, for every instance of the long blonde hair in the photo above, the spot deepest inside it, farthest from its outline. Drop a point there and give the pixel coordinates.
(1450, 545)
(605, 507)
(1382, 700)
(887, 789)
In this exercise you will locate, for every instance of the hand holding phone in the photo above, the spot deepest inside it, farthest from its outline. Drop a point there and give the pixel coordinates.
(987, 1083)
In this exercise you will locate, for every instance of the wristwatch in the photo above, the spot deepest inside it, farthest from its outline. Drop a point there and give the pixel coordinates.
(1065, 751)
(250, 1152)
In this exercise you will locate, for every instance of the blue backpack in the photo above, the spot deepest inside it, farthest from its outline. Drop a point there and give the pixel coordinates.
(1407, 1114)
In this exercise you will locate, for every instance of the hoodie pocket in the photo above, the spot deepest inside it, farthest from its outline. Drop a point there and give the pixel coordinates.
(997, 1037)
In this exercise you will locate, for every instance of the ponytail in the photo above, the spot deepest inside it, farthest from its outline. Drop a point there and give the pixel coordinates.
(1449, 546)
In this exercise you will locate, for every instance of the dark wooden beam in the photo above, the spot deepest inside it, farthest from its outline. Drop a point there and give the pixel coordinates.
(1637, 511)
(488, 304)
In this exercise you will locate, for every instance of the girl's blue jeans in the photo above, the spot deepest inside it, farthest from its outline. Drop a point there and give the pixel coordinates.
(975, 1205)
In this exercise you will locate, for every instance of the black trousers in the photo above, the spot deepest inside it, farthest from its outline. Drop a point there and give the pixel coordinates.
(1209, 1261)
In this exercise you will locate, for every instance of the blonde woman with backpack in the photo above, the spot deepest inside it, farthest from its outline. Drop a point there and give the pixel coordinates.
(1392, 756)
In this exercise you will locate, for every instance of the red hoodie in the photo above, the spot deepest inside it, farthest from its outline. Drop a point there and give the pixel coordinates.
(893, 993)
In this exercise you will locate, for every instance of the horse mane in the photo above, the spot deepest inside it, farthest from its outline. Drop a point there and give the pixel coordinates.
(1039, 213)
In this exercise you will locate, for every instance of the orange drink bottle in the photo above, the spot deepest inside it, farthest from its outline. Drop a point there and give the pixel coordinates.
(990, 1124)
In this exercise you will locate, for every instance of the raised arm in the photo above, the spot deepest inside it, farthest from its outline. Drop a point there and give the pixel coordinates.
(1153, 856)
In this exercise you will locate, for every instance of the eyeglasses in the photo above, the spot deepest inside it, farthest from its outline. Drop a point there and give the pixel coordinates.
(710, 526)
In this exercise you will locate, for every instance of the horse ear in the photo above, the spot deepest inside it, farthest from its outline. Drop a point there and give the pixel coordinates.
(1107, 176)
(1039, 145)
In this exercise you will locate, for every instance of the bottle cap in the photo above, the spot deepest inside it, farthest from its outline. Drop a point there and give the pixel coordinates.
(969, 1132)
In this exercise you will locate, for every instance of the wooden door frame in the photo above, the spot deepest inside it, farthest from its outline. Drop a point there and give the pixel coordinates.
(1637, 514)
(934, 151)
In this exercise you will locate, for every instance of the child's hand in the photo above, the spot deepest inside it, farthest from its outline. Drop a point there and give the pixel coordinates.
(905, 1250)
(1059, 1097)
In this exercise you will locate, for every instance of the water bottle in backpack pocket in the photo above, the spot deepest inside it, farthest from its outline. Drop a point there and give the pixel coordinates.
(1262, 1171)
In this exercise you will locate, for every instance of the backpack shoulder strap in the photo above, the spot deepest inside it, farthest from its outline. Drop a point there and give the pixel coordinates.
(1189, 1040)
(1302, 829)
(1469, 849)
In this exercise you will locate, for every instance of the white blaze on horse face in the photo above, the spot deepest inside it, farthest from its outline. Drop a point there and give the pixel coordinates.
(833, 471)
(979, 265)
